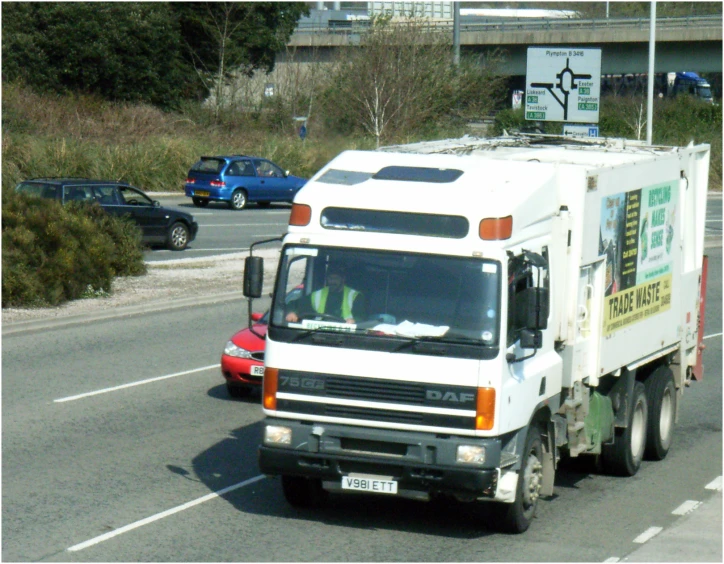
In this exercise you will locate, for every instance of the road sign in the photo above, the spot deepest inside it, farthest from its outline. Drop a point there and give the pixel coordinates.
(563, 84)
(580, 130)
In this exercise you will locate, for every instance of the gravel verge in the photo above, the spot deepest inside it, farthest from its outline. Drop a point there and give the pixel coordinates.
(165, 282)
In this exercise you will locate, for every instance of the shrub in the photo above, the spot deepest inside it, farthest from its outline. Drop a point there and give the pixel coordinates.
(53, 253)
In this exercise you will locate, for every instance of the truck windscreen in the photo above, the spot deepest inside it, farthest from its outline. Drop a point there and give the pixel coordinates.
(388, 294)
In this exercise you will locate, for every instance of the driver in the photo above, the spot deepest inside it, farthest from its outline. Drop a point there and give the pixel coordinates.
(335, 299)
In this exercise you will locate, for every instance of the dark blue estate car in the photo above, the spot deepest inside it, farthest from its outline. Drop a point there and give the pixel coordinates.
(237, 180)
(159, 226)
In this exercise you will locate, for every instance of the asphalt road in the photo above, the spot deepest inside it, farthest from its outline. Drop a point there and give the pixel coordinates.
(121, 444)
(223, 230)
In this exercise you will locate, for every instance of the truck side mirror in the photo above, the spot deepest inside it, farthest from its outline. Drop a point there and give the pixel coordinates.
(532, 308)
(530, 339)
(253, 276)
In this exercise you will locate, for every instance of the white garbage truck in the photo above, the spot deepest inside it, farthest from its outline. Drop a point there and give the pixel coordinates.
(450, 318)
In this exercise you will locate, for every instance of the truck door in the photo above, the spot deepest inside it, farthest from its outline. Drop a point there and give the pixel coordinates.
(589, 305)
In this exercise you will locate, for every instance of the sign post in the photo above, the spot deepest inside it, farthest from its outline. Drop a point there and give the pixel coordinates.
(563, 84)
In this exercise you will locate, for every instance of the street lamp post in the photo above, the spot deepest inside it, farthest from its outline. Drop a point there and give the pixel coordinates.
(652, 49)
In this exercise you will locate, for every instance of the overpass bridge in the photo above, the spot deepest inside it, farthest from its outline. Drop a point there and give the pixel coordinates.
(682, 43)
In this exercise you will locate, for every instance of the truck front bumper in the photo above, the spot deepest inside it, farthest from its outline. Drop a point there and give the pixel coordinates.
(419, 462)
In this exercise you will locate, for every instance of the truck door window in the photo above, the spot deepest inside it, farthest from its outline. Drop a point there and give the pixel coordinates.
(521, 276)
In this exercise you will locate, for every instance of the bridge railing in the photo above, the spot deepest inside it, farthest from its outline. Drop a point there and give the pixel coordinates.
(339, 27)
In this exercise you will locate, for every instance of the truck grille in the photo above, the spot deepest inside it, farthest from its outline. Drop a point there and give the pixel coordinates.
(361, 388)
(414, 395)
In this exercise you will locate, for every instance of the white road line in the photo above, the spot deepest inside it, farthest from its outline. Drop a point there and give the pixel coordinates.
(648, 534)
(163, 514)
(284, 225)
(714, 484)
(612, 559)
(138, 383)
(687, 507)
(712, 335)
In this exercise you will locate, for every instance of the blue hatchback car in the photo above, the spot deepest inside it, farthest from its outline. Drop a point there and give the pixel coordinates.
(239, 179)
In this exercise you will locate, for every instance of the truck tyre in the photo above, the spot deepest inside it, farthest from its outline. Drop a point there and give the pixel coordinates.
(623, 457)
(516, 517)
(238, 200)
(661, 397)
(303, 492)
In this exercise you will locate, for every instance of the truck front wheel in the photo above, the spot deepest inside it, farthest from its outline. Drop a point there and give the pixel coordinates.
(303, 492)
(661, 396)
(623, 457)
(516, 517)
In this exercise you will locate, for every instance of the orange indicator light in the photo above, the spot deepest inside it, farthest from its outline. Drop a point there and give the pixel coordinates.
(496, 228)
(301, 215)
(485, 409)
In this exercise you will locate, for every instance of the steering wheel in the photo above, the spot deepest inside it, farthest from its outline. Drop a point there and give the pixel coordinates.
(132, 202)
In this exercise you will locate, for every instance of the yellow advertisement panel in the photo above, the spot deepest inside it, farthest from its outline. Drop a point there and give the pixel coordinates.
(636, 303)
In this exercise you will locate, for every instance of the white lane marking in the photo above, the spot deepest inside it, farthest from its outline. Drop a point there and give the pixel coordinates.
(163, 514)
(189, 250)
(687, 507)
(712, 335)
(648, 534)
(243, 224)
(612, 559)
(138, 383)
(714, 484)
(713, 220)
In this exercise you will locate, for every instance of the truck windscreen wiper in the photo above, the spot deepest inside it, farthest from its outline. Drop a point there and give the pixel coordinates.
(434, 345)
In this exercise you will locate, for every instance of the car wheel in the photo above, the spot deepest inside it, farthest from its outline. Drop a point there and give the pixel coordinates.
(200, 202)
(238, 200)
(238, 391)
(178, 237)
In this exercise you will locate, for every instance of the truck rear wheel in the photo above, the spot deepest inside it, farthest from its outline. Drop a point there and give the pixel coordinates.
(303, 492)
(623, 457)
(661, 397)
(516, 517)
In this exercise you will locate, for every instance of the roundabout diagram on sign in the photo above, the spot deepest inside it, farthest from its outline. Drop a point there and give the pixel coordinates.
(563, 84)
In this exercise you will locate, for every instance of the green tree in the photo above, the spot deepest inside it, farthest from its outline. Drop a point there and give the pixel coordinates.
(121, 51)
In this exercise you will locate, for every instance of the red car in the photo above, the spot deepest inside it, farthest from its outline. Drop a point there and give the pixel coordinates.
(242, 362)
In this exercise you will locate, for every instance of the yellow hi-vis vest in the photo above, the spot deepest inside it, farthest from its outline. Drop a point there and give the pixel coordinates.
(319, 300)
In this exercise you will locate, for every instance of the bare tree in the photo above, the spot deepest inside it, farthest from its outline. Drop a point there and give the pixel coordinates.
(634, 114)
(402, 78)
(222, 23)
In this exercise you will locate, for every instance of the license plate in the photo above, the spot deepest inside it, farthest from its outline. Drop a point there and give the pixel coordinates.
(367, 483)
(257, 371)
(201, 193)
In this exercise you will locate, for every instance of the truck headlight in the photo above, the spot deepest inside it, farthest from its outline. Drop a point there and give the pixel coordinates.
(470, 454)
(232, 350)
(277, 435)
